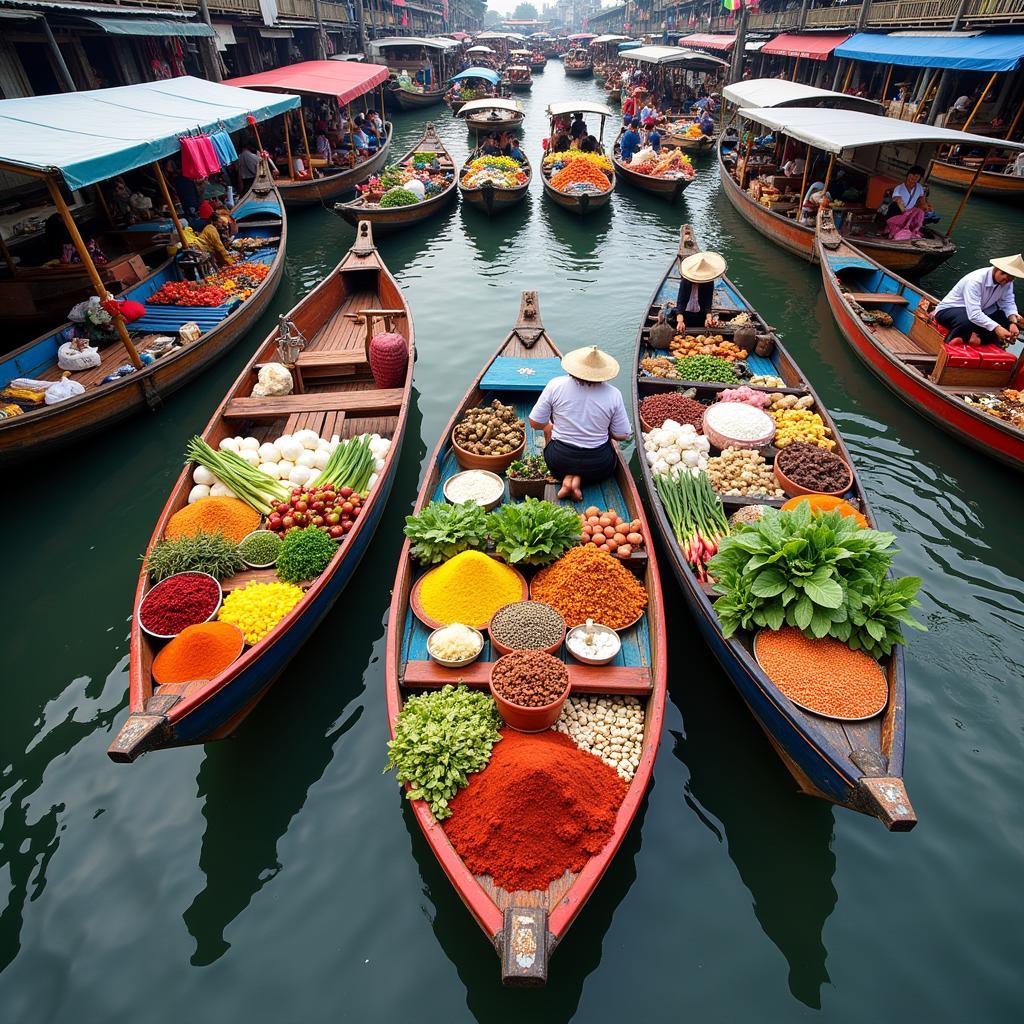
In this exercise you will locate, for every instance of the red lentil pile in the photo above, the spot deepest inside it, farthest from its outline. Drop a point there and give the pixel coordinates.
(540, 808)
(824, 676)
(655, 409)
(179, 601)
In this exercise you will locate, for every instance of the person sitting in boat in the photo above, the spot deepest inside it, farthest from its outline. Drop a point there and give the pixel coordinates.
(697, 288)
(515, 152)
(578, 128)
(706, 123)
(791, 168)
(815, 195)
(908, 207)
(323, 147)
(653, 139)
(562, 144)
(209, 238)
(630, 142)
(582, 416)
(628, 108)
(590, 145)
(1016, 167)
(980, 308)
(490, 146)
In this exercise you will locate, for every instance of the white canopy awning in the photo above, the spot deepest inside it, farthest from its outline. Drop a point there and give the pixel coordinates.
(576, 107)
(493, 104)
(413, 41)
(836, 131)
(673, 55)
(608, 39)
(479, 49)
(777, 92)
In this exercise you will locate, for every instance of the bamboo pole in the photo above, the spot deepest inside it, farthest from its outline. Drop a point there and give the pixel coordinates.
(166, 192)
(305, 143)
(888, 79)
(967, 195)
(981, 99)
(288, 143)
(746, 157)
(94, 276)
(828, 173)
(1013, 127)
(849, 75)
(351, 134)
(807, 170)
(796, 68)
(256, 131)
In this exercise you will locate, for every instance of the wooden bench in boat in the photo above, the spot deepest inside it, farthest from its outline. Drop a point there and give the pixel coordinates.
(878, 298)
(372, 400)
(614, 679)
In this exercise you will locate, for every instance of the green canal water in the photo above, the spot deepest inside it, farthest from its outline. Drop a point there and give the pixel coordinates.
(277, 877)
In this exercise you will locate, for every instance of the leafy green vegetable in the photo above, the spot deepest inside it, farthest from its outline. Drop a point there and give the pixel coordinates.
(206, 552)
(534, 531)
(399, 197)
(529, 467)
(441, 738)
(823, 574)
(304, 554)
(442, 530)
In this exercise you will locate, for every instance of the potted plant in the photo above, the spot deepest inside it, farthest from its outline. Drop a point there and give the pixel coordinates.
(528, 476)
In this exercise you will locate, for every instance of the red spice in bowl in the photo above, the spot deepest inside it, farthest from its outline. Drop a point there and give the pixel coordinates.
(184, 599)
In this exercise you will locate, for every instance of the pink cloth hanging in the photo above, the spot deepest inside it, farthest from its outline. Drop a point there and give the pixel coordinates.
(198, 157)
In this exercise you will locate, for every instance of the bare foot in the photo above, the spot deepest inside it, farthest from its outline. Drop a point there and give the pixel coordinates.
(974, 339)
(577, 493)
(563, 491)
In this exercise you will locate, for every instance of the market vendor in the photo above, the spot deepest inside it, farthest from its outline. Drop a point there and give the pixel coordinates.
(630, 141)
(980, 308)
(706, 123)
(209, 238)
(906, 212)
(696, 296)
(582, 417)
(578, 128)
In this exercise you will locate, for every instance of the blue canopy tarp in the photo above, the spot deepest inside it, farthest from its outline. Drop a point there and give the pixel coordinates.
(485, 73)
(633, 44)
(93, 136)
(937, 50)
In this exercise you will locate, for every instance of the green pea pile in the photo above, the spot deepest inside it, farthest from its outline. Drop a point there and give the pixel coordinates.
(709, 369)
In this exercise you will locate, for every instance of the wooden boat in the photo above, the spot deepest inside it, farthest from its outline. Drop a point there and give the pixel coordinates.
(406, 99)
(492, 198)
(989, 183)
(537, 63)
(517, 84)
(582, 203)
(337, 396)
(675, 137)
(538, 919)
(613, 92)
(913, 257)
(578, 64)
(908, 356)
(259, 213)
(327, 188)
(665, 188)
(855, 764)
(385, 218)
(492, 115)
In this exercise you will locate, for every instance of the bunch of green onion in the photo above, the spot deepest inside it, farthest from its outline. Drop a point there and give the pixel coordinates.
(350, 465)
(246, 482)
(696, 514)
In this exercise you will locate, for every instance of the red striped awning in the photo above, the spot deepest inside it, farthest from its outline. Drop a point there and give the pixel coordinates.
(710, 42)
(341, 78)
(812, 47)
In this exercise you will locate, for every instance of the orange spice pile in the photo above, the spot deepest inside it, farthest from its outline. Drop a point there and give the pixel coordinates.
(824, 676)
(586, 583)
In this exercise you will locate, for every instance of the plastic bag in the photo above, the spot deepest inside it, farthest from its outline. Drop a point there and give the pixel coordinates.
(71, 357)
(62, 390)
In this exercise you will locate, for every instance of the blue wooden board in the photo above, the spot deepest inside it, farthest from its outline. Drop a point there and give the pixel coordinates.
(636, 641)
(846, 262)
(760, 366)
(171, 318)
(258, 206)
(504, 374)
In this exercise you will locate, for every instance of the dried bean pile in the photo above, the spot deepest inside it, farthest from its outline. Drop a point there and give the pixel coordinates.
(655, 409)
(527, 626)
(612, 728)
(530, 679)
(813, 467)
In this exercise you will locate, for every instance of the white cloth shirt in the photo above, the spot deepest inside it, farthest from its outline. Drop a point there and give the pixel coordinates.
(584, 415)
(978, 293)
(909, 197)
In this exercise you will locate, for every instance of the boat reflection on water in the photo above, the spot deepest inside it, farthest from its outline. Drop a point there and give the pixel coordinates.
(779, 840)
(577, 244)
(496, 238)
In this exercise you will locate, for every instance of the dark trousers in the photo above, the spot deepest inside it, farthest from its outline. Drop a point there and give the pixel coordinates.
(960, 325)
(591, 465)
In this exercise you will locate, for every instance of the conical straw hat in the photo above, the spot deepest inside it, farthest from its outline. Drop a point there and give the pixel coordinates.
(590, 363)
(702, 267)
(1010, 264)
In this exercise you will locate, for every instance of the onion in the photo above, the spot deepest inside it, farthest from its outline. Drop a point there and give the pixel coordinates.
(250, 456)
(284, 467)
(373, 480)
(228, 444)
(301, 475)
(271, 469)
(307, 438)
(199, 491)
(219, 490)
(249, 444)
(269, 452)
(307, 459)
(289, 448)
(320, 458)
(201, 475)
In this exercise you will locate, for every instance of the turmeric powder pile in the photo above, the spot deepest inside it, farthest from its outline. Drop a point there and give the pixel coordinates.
(469, 588)
(586, 583)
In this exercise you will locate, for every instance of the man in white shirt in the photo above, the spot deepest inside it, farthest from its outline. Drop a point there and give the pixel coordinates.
(981, 309)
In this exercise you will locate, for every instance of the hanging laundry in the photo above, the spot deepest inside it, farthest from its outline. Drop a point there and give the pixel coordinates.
(198, 157)
(224, 147)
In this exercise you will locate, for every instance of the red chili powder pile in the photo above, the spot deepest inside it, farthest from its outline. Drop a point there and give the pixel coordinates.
(540, 808)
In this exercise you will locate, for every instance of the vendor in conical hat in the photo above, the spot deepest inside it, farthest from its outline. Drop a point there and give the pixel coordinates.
(981, 307)
(583, 418)
(696, 296)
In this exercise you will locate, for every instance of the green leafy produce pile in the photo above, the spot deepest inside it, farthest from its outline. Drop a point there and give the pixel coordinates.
(534, 532)
(823, 574)
(399, 197)
(710, 369)
(212, 553)
(304, 555)
(529, 467)
(442, 530)
(441, 738)
(392, 176)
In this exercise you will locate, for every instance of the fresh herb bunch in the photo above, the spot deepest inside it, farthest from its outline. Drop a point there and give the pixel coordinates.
(529, 467)
(711, 369)
(392, 176)
(399, 197)
(441, 738)
(534, 532)
(304, 554)
(824, 574)
(206, 552)
(442, 530)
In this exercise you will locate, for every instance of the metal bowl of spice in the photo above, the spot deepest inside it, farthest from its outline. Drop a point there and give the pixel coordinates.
(527, 626)
(259, 549)
(529, 688)
(455, 645)
(479, 485)
(593, 644)
(184, 599)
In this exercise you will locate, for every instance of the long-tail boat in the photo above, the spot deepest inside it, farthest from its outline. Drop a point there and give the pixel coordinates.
(414, 53)
(335, 395)
(393, 218)
(492, 114)
(577, 63)
(576, 202)
(887, 322)
(988, 182)
(260, 214)
(669, 189)
(526, 927)
(856, 764)
(493, 198)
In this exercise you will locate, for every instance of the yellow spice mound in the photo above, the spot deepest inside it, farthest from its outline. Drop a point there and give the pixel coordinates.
(469, 588)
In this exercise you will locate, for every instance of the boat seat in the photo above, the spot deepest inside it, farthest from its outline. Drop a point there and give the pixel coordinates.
(877, 298)
(323, 362)
(367, 403)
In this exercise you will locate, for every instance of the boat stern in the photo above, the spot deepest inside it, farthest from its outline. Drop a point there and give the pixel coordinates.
(885, 798)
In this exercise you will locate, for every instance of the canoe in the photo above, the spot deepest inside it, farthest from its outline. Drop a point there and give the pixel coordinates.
(579, 70)
(908, 356)
(385, 219)
(665, 188)
(408, 100)
(338, 397)
(854, 764)
(526, 86)
(259, 213)
(913, 257)
(678, 140)
(989, 183)
(328, 187)
(491, 198)
(514, 920)
(578, 204)
(537, 63)
(486, 121)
